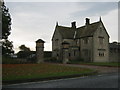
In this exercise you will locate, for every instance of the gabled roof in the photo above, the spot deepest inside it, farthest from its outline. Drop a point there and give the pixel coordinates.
(88, 30)
(66, 32)
(71, 33)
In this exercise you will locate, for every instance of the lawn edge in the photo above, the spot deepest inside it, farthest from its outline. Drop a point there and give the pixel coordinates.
(97, 65)
(49, 78)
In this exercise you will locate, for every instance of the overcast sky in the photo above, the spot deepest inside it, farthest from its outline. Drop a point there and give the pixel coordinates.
(37, 20)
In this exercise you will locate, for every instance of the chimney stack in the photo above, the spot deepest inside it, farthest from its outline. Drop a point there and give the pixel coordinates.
(87, 21)
(73, 24)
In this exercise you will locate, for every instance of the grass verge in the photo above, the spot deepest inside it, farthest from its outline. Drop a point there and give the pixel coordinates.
(14, 73)
(109, 64)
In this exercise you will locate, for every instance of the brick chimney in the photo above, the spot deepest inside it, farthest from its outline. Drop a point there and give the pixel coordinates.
(73, 24)
(87, 21)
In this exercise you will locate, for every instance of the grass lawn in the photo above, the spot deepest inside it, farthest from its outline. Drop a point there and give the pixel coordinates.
(102, 64)
(11, 72)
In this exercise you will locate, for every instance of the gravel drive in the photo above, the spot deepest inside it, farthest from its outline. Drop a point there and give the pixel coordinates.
(100, 69)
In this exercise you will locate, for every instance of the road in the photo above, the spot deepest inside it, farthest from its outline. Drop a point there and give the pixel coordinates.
(97, 81)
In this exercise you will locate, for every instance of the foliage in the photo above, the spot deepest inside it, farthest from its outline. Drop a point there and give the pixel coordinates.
(6, 60)
(24, 53)
(24, 48)
(7, 46)
(32, 59)
(6, 22)
(13, 72)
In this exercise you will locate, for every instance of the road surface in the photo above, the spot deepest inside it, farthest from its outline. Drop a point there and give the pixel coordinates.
(97, 81)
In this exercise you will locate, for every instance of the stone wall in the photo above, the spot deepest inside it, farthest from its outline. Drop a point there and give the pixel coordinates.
(114, 54)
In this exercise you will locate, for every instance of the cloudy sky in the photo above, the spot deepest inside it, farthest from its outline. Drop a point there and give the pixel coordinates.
(37, 20)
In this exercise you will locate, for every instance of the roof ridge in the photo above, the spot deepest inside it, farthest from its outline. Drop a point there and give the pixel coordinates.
(89, 24)
(64, 26)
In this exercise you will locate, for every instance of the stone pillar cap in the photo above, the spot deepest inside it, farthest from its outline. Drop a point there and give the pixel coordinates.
(40, 41)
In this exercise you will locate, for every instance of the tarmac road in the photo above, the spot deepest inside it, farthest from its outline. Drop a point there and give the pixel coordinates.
(96, 81)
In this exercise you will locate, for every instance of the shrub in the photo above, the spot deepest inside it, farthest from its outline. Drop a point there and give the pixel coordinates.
(31, 60)
(8, 60)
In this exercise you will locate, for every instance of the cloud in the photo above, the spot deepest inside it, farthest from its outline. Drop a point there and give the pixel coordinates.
(111, 22)
(95, 8)
(62, 0)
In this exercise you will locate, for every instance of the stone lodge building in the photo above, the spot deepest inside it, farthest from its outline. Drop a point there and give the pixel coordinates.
(89, 42)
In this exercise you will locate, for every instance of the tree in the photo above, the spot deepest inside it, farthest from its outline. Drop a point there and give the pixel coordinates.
(7, 46)
(24, 53)
(24, 48)
(6, 22)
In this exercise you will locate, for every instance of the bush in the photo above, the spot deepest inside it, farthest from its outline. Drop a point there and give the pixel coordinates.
(31, 60)
(8, 60)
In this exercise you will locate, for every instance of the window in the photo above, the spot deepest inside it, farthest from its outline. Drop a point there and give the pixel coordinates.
(101, 54)
(69, 54)
(79, 48)
(57, 54)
